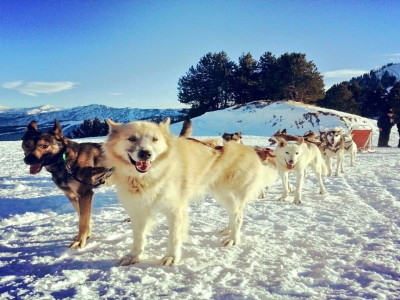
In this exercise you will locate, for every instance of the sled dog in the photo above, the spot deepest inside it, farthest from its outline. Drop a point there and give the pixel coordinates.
(235, 137)
(334, 149)
(76, 169)
(349, 147)
(295, 156)
(156, 171)
(283, 135)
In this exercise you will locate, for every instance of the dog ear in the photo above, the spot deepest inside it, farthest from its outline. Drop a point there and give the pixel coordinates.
(32, 126)
(239, 134)
(112, 126)
(166, 121)
(281, 142)
(283, 131)
(57, 130)
(300, 141)
(164, 124)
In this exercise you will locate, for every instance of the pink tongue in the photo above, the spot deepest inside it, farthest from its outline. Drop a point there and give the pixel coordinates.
(143, 166)
(289, 166)
(34, 169)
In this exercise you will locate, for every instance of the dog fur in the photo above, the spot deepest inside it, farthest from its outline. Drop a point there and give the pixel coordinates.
(85, 166)
(350, 148)
(234, 137)
(156, 171)
(295, 156)
(334, 148)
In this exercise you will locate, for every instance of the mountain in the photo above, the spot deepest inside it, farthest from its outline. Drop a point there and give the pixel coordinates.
(13, 121)
(263, 118)
(259, 118)
(385, 76)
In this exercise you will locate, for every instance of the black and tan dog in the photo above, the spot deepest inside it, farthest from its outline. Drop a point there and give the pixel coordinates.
(76, 169)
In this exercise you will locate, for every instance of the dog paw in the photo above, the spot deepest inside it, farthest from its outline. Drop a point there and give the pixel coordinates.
(296, 201)
(322, 192)
(79, 242)
(169, 261)
(229, 242)
(129, 259)
(225, 231)
(282, 199)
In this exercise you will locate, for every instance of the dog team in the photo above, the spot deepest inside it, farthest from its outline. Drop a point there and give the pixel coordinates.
(156, 171)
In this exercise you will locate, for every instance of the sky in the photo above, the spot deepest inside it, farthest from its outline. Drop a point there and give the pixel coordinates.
(132, 53)
(341, 245)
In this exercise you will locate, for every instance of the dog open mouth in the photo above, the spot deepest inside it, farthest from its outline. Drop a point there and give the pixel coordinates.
(141, 166)
(36, 168)
(289, 166)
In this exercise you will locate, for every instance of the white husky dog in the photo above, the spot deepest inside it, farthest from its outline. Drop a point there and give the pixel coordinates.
(156, 171)
(295, 156)
(349, 147)
(334, 149)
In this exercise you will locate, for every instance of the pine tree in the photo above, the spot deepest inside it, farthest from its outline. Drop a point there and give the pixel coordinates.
(340, 97)
(267, 77)
(245, 79)
(209, 86)
(299, 80)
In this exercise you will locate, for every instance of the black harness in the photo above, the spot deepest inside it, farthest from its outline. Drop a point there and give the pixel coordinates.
(99, 181)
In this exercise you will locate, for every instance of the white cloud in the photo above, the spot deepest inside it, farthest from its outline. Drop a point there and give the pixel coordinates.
(116, 94)
(344, 73)
(392, 54)
(37, 87)
(12, 84)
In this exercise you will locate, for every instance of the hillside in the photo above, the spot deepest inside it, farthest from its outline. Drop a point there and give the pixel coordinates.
(385, 76)
(262, 118)
(13, 121)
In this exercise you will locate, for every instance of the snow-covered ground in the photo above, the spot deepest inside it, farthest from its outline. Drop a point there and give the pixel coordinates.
(343, 245)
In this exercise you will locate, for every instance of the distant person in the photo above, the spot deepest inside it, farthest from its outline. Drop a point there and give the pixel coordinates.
(385, 124)
(398, 129)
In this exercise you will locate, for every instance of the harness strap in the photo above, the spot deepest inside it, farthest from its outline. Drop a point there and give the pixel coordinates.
(99, 181)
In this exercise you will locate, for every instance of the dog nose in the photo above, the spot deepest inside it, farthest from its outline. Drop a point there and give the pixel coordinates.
(144, 154)
(291, 162)
(31, 159)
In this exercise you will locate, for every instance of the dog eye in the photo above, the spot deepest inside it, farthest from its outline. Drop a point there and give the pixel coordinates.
(45, 146)
(132, 139)
(155, 139)
(297, 153)
(26, 145)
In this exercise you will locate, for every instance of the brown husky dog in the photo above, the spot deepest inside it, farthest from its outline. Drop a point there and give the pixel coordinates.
(76, 168)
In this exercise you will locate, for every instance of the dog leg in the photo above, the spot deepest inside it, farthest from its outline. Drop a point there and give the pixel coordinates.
(235, 215)
(329, 165)
(353, 159)
(177, 223)
(299, 187)
(286, 185)
(339, 165)
(85, 226)
(262, 194)
(140, 222)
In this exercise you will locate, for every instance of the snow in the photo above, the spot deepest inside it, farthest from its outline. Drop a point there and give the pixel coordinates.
(343, 245)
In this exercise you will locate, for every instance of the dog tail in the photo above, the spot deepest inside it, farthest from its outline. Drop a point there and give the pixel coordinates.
(187, 128)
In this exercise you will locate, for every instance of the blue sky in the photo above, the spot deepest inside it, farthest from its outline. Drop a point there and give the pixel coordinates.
(132, 53)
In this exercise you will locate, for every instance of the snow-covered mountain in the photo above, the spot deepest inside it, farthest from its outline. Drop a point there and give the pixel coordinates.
(263, 118)
(13, 121)
(393, 70)
(259, 118)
